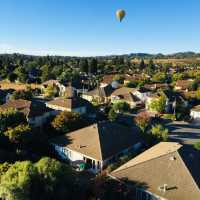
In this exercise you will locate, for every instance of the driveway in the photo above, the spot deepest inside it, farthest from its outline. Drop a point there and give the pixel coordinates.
(183, 132)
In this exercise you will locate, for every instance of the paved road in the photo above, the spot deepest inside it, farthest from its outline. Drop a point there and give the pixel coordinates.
(184, 132)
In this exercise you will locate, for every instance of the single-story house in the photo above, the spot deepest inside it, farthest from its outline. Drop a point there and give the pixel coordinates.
(100, 94)
(70, 102)
(183, 85)
(125, 94)
(75, 104)
(98, 145)
(55, 83)
(167, 171)
(108, 79)
(142, 93)
(156, 86)
(36, 112)
(155, 97)
(195, 113)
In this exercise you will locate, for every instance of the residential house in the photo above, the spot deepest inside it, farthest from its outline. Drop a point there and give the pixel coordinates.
(108, 79)
(128, 78)
(68, 104)
(80, 86)
(124, 94)
(183, 85)
(167, 171)
(142, 93)
(100, 94)
(156, 86)
(195, 113)
(71, 102)
(98, 145)
(57, 84)
(36, 112)
(156, 96)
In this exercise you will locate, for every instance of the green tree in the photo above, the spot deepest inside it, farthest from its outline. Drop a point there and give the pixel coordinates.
(159, 77)
(67, 121)
(112, 115)
(56, 179)
(142, 65)
(12, 77)
(177, 76)
(16, 183)
(21, 74)
(159, 132)
(45, 73)
(197, 145)
(22, 94)
(20, 134)
(51, 91)
(83, 64)
(4, 168)
(93, 66)
(158, 105)
(121, 107)
(11, 118)
(195, 85)
(150, 67)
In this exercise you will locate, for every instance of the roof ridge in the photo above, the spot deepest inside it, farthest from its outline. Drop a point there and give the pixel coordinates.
(99, 140)
(145, 161)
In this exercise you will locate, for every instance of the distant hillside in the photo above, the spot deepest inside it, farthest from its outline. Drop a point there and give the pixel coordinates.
(178, 55)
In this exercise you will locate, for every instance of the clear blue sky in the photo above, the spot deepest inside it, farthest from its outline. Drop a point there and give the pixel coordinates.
(89, 27)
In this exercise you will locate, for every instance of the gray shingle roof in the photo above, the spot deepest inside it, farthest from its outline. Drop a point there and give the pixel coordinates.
(164, 163)
(99, 141)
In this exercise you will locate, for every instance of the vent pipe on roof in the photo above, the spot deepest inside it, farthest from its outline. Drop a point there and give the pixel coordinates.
(172, 158)
(163, 188)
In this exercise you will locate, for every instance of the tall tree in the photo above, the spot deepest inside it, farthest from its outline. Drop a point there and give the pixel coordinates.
(150, 67)
(67, 121)
(83, 64)
(142, 65)
(45, 73)
(93, 66)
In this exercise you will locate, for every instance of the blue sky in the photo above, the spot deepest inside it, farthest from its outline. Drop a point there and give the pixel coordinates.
(89, 27)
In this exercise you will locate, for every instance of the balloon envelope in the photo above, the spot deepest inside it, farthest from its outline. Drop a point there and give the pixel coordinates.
(120, 14)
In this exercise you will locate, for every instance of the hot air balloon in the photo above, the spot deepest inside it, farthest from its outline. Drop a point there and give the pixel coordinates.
(120, 14)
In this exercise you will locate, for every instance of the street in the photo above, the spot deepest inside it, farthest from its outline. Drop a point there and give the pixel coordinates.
(183, 132)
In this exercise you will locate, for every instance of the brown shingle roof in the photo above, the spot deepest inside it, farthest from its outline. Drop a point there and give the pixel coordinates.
(71, 103)
(101, 91)
(162, 164)
(20, 105)
(122, 91)
(50, 82)
(108, 78)
(184, 84)
(30, 109)
(99, 141)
